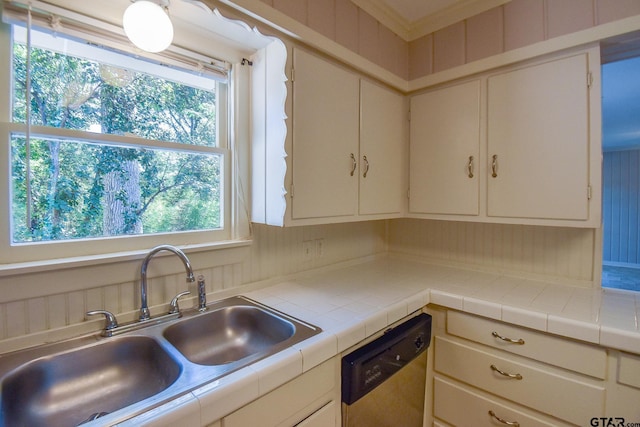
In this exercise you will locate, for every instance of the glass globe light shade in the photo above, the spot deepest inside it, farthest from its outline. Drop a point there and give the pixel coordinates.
(148, 26)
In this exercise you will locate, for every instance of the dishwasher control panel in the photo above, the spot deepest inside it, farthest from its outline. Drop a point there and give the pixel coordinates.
(369, 366)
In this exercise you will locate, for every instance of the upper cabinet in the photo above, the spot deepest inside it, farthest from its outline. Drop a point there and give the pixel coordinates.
(346, 156)
(445, 150)
(325, 139)
(382, 165)
(538, 141)
(517, 145)
(520, 145)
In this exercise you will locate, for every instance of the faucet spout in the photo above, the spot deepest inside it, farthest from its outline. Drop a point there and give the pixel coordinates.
(144, 305)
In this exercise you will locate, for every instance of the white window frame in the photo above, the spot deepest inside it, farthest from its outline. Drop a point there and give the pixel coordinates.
(13, 255)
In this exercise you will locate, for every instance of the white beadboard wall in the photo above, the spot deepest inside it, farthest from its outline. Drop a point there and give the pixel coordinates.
(50, 305)
(558, 254)
(621, 206)
(47, 306)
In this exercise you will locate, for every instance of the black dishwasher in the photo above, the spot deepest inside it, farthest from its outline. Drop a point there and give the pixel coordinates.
(383, 382)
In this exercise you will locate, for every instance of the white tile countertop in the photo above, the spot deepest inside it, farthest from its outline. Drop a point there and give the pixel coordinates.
(356, 301)
(353, 302)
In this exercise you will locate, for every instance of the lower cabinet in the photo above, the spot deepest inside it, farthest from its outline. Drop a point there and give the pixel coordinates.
(623, 396)
(491, 373)
(542, 388)
(310, 400)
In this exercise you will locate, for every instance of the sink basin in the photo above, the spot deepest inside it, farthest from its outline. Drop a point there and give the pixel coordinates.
(69, 388)
(72, 382)
(240, 330)
(228, 334)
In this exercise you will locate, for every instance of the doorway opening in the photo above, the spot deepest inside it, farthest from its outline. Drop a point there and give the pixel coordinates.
(621, 163)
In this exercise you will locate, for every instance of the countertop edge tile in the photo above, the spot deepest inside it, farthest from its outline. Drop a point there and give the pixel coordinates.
(316, 350)
(446, 299)
(484, 308)
(396, 312)
(620, 339)
(375, 323)
(415, 302)
(523, 317)
(278, 369)
(229, 393)
(350, 335)
(184, 410)
(572, 328)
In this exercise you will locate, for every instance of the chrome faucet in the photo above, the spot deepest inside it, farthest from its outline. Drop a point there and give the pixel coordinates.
(144, 307)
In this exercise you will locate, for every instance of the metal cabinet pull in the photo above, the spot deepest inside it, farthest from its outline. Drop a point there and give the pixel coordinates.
(506, 374)
(494, 166)
(519, 341)
(366, 166)
(503, 421)
(470, 167)
(354, 164)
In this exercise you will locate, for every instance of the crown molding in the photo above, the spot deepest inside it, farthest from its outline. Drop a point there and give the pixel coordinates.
(412, 30)
(386, 16)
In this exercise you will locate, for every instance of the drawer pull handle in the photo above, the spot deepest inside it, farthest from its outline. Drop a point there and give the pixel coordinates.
(503, 421)
(506, 374)
(519, 341)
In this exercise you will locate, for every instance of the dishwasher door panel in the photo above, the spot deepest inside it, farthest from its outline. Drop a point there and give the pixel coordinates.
(399, 401)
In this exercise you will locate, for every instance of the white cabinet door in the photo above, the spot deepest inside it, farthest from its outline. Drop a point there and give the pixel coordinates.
(538, 141)
(325, 138)
(382, 150)
(444, 150)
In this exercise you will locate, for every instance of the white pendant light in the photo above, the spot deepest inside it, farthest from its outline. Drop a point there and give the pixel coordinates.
(148, 26)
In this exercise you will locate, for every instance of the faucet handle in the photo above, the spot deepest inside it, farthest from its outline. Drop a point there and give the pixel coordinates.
(173, 305)
(112, 323)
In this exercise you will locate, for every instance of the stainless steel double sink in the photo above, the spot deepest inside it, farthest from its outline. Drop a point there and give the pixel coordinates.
(143, 369)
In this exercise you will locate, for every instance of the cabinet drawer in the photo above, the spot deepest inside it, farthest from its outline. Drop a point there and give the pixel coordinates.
(541, 389)
(629, 369)
(462, 406)
(576, 356)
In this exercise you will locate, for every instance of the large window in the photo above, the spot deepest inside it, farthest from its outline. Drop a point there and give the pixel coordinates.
(103, 145)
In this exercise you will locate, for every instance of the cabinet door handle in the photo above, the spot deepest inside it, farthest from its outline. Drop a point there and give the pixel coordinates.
(506, 374)
(470, 167)
(494, 166)
(354, 164)
(503, 421)
(519, 341)
(366, 166)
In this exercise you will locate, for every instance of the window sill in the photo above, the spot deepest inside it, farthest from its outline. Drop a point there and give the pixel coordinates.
(94, 260)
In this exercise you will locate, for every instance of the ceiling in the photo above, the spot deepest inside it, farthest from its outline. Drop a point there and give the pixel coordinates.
(415, 10)
(412, 19)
